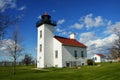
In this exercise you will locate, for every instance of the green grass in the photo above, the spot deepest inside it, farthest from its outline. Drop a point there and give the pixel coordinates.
(106, 71)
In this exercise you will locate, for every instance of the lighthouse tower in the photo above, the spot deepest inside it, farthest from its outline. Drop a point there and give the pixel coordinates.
(45, 28)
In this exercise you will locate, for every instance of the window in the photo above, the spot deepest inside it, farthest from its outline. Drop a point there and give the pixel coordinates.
(82, 54)
(40, 47)
(41, 34)
(56, 54)
(95, 58)
(75, 54)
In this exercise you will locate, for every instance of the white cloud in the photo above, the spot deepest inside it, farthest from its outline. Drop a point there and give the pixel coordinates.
(109, 23)
(59, 30)
(85, 37)
(77, 26)
(60, 21)
(62, 32)
(22, 8)
(39, 17)
(111, 27)
(100, 45)
(6, 45)
(91, 21)
(4, 4)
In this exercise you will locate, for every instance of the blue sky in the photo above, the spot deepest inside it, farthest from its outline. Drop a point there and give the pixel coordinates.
(91, 20)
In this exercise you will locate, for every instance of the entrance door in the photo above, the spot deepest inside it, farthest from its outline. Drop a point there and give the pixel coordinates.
(67, 64)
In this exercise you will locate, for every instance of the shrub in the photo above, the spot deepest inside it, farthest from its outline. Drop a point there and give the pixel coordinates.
(90, 62)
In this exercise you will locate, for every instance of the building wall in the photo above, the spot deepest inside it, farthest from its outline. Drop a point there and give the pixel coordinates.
(48, 45)
(40, 55)
(97, 58)
(45, 57)
(69, 59)
(58, 47)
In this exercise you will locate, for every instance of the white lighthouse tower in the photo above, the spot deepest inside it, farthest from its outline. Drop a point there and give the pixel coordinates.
(45, 29)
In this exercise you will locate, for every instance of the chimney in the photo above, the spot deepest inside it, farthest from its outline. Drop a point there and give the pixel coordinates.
(72, 36)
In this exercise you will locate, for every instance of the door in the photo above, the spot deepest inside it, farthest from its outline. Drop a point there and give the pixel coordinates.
(67, 64)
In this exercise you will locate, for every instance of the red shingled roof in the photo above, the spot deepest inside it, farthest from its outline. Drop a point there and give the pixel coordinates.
(101, 55)
(70, 42)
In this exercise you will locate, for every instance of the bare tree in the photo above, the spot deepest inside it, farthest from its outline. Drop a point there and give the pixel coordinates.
(14, 49)
(115, 50)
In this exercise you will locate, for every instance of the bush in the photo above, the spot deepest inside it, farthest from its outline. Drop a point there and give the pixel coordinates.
(90, 62)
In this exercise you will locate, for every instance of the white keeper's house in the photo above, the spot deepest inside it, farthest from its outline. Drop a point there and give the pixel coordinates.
(99, 58)
(56, 51)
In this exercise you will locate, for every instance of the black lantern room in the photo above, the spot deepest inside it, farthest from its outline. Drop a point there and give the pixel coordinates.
(45, 19)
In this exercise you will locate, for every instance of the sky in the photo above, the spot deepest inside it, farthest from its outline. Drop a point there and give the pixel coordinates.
(92, 21)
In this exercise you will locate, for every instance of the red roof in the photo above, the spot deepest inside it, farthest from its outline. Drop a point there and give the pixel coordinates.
(70, 42)
(102, 55)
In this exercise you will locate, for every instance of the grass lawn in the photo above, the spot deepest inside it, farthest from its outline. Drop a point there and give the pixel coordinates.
(106, 71)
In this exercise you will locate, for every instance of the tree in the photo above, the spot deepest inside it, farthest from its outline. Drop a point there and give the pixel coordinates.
(28, 59)
(14, 49)
(115, 50)
(90, 62)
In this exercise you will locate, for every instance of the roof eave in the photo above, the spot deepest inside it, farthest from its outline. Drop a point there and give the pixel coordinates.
(75, 46)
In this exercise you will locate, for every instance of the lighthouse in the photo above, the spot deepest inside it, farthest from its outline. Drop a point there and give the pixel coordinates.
(45, 32)
(57, 51)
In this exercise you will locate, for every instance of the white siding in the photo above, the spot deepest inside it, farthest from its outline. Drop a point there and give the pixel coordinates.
(58, 47)
(68, 56)
(45, 58)
(48, 45)
(97, 58)
(40, 55)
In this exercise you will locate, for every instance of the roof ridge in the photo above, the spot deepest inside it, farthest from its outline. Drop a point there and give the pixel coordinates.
(68, 41)
(61, 37)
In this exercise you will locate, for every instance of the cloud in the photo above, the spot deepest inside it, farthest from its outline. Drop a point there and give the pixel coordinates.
(8, 44)
(60, 21)
(59, 30)
(22, 8)
(91, 21)
(85, 37)
(111, 28)
(100, 45)
(77, 26)
(62, 32)
(39, 17)
(5, 4)
(5, 44)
